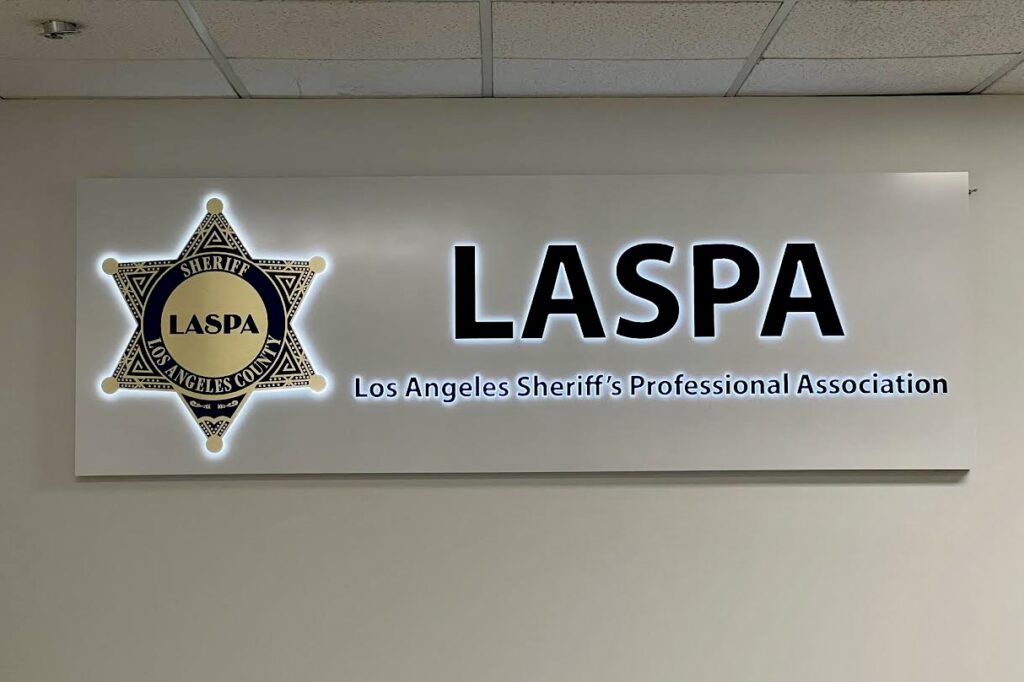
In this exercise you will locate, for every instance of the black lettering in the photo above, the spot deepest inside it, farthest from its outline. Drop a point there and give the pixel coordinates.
(661, 297)
(213, 324)
(580, 303)
(706, 295)
(467, 326)
(819, 300)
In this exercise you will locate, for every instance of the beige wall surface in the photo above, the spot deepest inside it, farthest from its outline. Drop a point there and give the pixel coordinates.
(752, 577)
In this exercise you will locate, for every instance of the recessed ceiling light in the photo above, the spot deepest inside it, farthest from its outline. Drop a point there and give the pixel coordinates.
(56, 29)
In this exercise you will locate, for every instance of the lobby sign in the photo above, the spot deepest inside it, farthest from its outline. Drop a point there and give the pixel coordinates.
(523, 324)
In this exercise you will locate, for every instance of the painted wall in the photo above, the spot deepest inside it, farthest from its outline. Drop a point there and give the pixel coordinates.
(773, 578)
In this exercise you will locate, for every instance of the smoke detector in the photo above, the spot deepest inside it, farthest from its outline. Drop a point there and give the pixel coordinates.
(56, 29)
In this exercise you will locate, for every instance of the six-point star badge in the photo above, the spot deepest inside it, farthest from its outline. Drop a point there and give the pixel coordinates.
(213, 325)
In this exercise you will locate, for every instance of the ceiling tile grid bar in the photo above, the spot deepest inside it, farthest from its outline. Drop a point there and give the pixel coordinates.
(211, 46)
(999, 74)
(1010, 84)
(486, 49)
(758, 52)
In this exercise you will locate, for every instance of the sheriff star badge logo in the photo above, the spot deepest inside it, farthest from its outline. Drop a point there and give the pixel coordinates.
(213, 325)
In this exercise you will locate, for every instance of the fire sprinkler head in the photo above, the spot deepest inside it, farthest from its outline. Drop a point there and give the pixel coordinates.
(56, 29)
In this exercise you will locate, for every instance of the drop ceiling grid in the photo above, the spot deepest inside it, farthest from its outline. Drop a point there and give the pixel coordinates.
(830, 47)
(541, 48)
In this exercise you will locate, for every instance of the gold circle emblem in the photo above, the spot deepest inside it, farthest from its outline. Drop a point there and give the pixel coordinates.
(214, 324)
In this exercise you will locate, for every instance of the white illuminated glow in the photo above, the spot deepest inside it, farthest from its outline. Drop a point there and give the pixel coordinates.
(296, 325)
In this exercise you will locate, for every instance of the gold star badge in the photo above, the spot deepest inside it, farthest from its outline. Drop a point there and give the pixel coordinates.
(213, 325)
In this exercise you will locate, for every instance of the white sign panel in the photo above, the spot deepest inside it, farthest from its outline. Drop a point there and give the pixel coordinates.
(528, 323)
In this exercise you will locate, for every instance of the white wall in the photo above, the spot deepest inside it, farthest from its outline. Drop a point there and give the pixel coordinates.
(772, 578)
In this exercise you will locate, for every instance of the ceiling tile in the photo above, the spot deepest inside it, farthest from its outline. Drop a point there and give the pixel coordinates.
(300, 29)
(1010, 84)
(925, 75)
(613, 78)
(628, 30)
(111, 78)
(904, 28)
(111, 29)
(360, 78)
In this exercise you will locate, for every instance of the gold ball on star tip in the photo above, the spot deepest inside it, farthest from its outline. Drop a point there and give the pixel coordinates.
(317, 264)
(214, 443)
(109, 385)
(317, 383)
(109, 266)
(214, 205)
